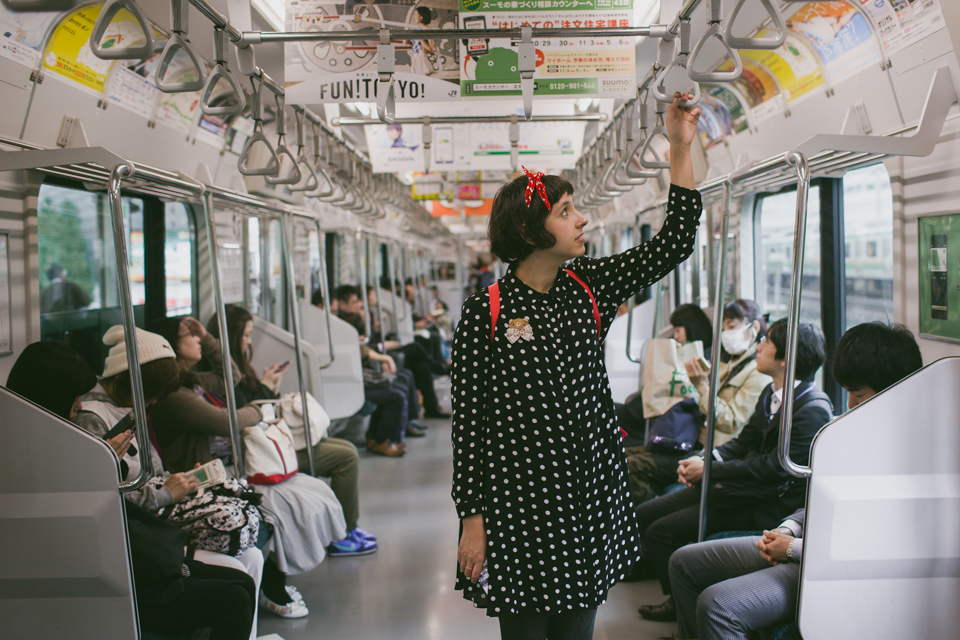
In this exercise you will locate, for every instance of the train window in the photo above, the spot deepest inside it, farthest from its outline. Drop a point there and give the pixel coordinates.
(78, 273)
(868, 230)
(178, 249)
(774, 230)
(254, 267)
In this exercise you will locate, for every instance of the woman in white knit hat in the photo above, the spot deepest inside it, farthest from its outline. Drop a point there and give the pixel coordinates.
(110, 401)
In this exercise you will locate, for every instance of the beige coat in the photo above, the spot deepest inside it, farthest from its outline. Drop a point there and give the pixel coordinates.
(737, 398)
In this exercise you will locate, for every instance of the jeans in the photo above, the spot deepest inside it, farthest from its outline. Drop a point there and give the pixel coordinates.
(569, 625)
(389, 421)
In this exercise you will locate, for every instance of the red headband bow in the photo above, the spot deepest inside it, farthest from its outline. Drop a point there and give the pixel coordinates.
(535, 181)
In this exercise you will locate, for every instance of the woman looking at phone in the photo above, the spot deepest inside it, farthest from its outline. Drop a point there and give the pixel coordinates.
(539, 480)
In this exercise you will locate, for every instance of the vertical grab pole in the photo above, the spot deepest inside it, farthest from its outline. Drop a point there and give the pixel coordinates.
(325, 290)
(297, 339)
(632, 303)
(793, 320)
(373, 266)
(393, 288)
(235, 437)
(402, 260)
(714, 362)
(362, 278)
(129, 327)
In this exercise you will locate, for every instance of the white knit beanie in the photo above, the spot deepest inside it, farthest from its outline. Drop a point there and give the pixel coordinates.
(150, 347)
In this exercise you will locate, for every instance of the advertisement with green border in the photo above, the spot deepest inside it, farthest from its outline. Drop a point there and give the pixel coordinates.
(939, 268)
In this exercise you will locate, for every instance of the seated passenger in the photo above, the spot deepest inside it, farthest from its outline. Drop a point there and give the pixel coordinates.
(690, 324)
(317, 299)
(416, 357)
(749, 490)
(185, 421)
(740, 387)
(727, 588)
(55, 377)
(299, 548)
(395, 395)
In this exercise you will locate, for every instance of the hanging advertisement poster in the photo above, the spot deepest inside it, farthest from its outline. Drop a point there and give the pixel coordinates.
(474, 147)
(22, 34)
(68, 56)
(604, 67)
(900, 23)
(427, 70)
(395, 148)
(794, 67)
(721, 115)
(131, 85)
(939, 285)
(839, 33)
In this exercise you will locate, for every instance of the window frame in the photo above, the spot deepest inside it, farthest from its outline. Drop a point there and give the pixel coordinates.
(832, 269)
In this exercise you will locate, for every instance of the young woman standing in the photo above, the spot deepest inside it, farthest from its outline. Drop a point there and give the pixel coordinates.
(539, 480)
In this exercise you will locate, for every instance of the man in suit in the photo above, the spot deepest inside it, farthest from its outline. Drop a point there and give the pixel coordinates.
(725, 588)
(750, 490)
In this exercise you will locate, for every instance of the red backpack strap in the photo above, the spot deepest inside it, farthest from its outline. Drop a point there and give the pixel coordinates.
(596, 309)
(494, 291)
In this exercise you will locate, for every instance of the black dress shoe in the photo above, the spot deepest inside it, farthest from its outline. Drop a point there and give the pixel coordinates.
(436, 414)
(665, 612)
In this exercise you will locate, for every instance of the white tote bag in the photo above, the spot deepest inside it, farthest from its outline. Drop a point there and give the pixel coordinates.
(665, 380)
(269, 454)
(291, 409)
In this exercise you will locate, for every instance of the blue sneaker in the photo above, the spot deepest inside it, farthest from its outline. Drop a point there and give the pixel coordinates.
(351, 547)
(360, 534)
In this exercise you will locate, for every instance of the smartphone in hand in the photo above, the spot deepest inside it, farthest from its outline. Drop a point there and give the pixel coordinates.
(128, 423)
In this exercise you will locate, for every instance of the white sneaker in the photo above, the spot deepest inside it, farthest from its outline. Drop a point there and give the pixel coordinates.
(294, 609)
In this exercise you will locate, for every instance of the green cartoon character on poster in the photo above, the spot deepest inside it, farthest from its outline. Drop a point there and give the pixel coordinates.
(500, 65)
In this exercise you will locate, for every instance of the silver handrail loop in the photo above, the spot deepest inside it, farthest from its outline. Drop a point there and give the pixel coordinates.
(793, 319)
(129, 327)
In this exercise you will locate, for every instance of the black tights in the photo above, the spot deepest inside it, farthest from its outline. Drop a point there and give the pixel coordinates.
(274, 583)
(569, 625)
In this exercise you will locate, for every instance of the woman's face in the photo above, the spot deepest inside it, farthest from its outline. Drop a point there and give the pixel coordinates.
(75, 409)
(731, 324)
(247, 338)
(566, 224)
(680, 335)
(188, 346)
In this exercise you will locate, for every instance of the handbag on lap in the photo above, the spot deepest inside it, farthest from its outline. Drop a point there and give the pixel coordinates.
(269, 453)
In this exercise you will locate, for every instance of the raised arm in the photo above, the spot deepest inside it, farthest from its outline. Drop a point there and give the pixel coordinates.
(618, 277)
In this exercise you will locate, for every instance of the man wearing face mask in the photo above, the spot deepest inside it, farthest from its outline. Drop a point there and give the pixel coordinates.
(740, 388)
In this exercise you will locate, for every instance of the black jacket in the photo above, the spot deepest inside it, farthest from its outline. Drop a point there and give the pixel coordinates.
(750, 475)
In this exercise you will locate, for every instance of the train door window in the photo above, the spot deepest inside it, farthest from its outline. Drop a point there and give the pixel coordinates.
(868, 230)
(315, 252)
(178, 249)
(275, 293)
(775, 217)
(79, 298)
(254, 266)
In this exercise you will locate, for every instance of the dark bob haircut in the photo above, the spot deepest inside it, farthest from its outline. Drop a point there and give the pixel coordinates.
(51, 375)
(875, 355)
(695, 322)
(810, 353)
(345, 291)
(160, 379)
(516, 231)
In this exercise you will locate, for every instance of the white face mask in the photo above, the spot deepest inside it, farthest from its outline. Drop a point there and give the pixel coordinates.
(737, 341)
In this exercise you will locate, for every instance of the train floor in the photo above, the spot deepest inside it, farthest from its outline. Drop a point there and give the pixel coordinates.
(405, 590)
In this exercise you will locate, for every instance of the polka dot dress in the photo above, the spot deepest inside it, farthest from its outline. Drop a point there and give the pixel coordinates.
(535, 437)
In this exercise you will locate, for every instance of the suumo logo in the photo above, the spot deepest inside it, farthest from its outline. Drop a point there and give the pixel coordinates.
(471, 5)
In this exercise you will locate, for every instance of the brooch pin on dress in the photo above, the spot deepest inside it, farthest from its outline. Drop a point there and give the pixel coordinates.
(519, 328)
